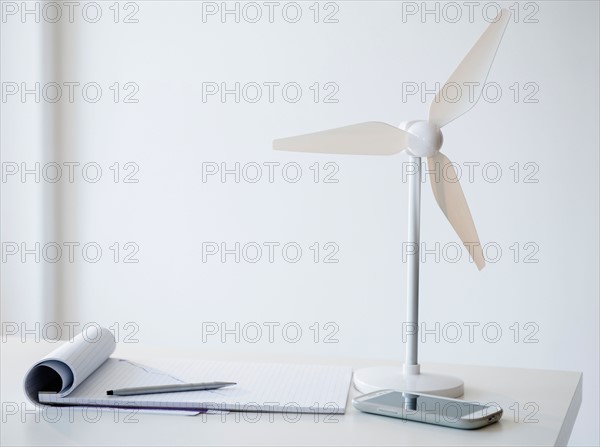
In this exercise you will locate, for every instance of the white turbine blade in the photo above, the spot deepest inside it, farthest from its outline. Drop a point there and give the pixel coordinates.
(458, 96)
(452, 202)
(371, 138)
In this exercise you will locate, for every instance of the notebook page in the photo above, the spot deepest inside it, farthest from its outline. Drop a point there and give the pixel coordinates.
(70, 364)
(267, 387)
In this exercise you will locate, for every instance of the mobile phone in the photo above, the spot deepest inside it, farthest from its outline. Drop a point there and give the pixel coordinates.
(429, 409)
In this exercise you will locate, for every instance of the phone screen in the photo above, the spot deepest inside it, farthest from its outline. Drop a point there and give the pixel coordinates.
(430, 405)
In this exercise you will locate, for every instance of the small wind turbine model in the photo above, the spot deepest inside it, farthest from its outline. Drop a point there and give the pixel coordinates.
(419, 139)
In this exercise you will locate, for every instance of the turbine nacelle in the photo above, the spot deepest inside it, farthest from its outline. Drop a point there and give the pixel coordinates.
(424, 138)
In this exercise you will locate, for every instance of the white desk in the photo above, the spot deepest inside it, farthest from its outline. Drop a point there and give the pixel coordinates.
(540, 408)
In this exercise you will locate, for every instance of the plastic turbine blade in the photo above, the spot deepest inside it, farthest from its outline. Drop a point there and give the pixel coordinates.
(452, 202)
(474, 68)
(359, 139)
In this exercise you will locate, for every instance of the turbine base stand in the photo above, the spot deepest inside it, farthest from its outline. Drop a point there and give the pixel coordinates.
(367, 380)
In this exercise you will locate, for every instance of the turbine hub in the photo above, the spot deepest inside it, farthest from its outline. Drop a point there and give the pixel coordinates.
(424, 138)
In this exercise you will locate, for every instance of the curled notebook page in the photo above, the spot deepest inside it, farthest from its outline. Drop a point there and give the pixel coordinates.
(81, 371)
(66, 367)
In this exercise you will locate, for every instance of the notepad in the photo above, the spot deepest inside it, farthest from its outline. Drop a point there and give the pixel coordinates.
(81, 371)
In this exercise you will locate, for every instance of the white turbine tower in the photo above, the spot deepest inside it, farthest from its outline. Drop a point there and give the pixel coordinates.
(419, 139)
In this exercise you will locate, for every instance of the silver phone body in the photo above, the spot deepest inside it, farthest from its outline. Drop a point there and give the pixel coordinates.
(429, 409)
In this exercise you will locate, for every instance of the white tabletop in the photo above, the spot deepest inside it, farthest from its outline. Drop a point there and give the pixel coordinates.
(540, 408)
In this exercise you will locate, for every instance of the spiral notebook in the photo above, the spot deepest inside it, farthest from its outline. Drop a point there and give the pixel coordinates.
(81, 370)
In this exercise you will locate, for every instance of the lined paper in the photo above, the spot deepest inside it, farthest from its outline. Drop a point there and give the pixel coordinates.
(72, 363)
(80, 372)
(267, 387)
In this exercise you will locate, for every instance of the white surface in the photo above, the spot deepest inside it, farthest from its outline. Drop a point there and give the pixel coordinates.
(555, 394)
(369, 54)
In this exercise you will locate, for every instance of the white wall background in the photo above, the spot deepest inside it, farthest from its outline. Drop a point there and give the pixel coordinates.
(369, 54)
